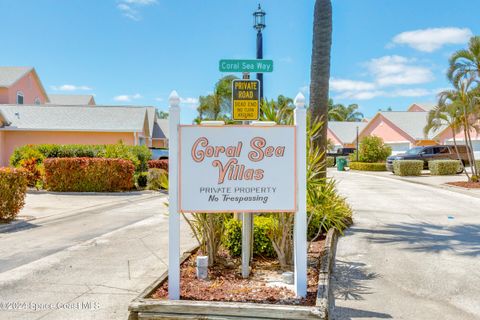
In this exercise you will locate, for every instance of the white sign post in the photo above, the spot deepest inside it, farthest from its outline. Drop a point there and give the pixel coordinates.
(238, 168)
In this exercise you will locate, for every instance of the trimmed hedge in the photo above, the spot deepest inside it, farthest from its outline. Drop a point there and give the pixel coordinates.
(13, 188)
(88, 174)
(408, 167)
(139, 155)
(444, 167)
(477, 164)
(365, 166)
(262, 245)
(330, 162)
(158, 164)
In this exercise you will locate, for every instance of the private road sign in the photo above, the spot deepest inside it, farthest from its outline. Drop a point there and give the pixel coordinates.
(255, 66)
(245, 99)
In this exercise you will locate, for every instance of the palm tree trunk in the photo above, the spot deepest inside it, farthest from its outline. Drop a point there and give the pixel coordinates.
(320, 69)
(458, 153)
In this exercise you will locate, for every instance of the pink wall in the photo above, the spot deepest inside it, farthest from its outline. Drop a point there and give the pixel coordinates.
(383, 128)
(29, 87)
(332, 137)
(415, 108)
(13, 139)
(447, 135)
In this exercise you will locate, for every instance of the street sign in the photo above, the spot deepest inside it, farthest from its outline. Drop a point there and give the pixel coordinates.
(255, 66)
(245, 100)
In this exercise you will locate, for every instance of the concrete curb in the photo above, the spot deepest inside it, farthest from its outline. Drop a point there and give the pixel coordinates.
(325, 296)
(120, 193)
(145, 308)
(440, 187)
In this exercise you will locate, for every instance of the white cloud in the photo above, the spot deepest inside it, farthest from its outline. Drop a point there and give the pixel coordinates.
(159, 99)
(398, 70)
(350, 85)
(360, 95)
(189, 100)
(129, 8)
(429, 40)
(126, 97)
(304, 89)
(70, 87)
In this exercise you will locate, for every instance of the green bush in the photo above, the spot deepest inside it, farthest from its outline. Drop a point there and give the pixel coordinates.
(142, 179)
(365, 166)
(477, 164)
(371, 150)
(262, 246)
(326, 209)
(330, 162)
(408, 167)
(139, 155)
(444, 167)
(13, 188)
(157, 179)
(88, 174)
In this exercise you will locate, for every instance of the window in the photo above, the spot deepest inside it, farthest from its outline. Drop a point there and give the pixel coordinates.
(19, 97)
(37, 100)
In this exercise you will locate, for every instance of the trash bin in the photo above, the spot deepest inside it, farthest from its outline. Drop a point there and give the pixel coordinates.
(341, 163)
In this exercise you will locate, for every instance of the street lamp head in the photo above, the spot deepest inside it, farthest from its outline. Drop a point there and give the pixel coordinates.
(259, 19)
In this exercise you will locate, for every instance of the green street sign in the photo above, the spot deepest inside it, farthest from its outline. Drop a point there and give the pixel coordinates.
(256, 66)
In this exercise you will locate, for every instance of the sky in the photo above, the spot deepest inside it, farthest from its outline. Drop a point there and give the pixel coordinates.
(385, 53)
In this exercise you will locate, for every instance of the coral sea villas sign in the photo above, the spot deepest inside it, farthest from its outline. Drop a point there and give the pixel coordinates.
(237, 169)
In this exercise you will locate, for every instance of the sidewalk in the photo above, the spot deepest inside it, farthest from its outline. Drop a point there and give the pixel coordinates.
(425, 179)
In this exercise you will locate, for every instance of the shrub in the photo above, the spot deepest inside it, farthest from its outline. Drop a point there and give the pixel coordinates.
(365, 166)
(262, 246)
(444, 167)
(326, 209)
(139, 155)
(157, 179)
(330, 162)
(13, 188)
(158, 164)
(88, 174)
(142, 179)
(477, 164)
(371, 149)
(408, 167)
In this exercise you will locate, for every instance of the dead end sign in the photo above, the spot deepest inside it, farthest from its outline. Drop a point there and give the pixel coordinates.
(245, 100)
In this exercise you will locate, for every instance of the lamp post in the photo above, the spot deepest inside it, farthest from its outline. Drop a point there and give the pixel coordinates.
(259, 25)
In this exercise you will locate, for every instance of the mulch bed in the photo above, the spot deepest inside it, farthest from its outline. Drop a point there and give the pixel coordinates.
(225, 282)
(465, 184)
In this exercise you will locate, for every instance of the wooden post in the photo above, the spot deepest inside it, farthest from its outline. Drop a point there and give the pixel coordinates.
(174, 215)
(300, 227)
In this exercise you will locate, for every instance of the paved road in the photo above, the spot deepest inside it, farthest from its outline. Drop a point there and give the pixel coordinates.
(102, 252)
(412, 253)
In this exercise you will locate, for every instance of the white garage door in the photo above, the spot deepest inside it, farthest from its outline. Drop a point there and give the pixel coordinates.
(399, 147)
(476, 148)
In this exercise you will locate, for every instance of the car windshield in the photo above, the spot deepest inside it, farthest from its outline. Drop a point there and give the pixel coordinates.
(415, 150)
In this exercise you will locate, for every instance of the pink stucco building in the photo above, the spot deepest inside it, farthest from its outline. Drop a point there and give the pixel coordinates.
(21, 85)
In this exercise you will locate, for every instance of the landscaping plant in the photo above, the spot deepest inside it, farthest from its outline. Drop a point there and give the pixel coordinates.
(88, 174)
(408, 167)
(13, 188)
(365, 166)
(444, 167)
(371, 150)
(157, 179)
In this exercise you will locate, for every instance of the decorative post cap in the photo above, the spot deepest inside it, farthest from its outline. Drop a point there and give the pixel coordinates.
(174, 99)
(300, 101)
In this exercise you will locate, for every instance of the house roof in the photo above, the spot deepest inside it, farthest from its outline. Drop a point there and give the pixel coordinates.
(74, 118)
(426, 106)
(345, 131)
(412, 123)
(70, 99)
(10, 75)
(163, 127)
(152, 113)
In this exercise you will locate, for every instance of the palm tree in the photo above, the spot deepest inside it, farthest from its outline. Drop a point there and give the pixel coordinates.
(341, 113)
(445, 114)
(465, 103)
(218, 104)
(320, 68)
(465, 63)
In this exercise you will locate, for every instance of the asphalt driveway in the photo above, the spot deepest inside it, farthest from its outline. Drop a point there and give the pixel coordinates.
(412, 253)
